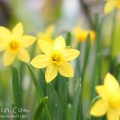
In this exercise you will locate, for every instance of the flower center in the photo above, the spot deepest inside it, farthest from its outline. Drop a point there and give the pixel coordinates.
(14, 46)
(115, 100)
(57, 57)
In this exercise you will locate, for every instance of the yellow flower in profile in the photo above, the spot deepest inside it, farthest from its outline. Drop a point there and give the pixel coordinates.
(81, 35)
(109, 102)
(56, 58)
(47, 34)
(14, 44)
(111, 5)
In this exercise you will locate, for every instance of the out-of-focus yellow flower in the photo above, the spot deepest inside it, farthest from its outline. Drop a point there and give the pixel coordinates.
(81, 35)
(109, 102)
(111, 5)
(56, 58)
(47, 34)
(14, 44)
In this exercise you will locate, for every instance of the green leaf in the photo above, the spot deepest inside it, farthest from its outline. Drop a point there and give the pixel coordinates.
(77, 104)
(16, 92)
(36, 83)
(86, 59)
(40, 108)
(68, 39)
(39, 91)
(86, 56)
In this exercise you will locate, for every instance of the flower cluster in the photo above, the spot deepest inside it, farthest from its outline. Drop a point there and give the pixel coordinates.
(57, 55)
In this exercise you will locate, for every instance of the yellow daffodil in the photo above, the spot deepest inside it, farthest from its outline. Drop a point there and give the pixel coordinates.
(14, 44)
(81, 35)
(111, 5)
(109, 102)
(47, 34)
(56, 58)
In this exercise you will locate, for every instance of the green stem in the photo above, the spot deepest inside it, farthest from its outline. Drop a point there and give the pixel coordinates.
(88, 117)
(16, 92)
(112, 39)
(97, 68)
(86, 59)
(98, 49)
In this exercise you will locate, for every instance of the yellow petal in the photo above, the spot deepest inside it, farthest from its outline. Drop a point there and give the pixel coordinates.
(77, 32)
(59, 44)
(71, 54)
(3, 45)
(102, 91)
(17, 31)
(43, 36)
(23, 55)
(110, 83)
(8, 58)
(5, 34)
(99, 108)
(118, 4)
(27, 40)
(45, 47)
(115, 100)
(109, 6)
(51, 73)
(40, 61)
(50, 30)
(66, 69)
(113, 114)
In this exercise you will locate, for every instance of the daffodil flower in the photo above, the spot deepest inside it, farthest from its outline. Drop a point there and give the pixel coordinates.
(111, 5)
(47, 34)
(109, 102)
(56, 58)
(81, 35)
(13, 43)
